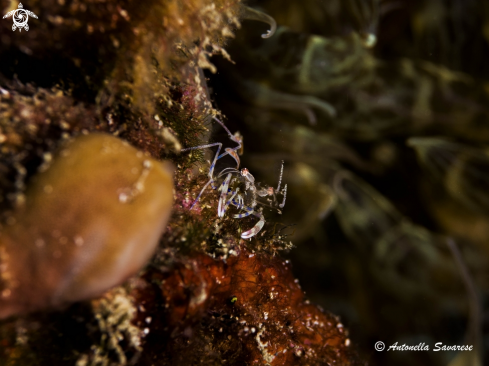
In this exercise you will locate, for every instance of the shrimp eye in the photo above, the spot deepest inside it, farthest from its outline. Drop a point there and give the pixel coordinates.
(233, 299)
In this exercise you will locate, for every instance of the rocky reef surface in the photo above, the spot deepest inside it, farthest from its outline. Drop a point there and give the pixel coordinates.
(102, 262)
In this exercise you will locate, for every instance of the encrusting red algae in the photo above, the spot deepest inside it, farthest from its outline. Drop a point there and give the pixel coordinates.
(250, 306)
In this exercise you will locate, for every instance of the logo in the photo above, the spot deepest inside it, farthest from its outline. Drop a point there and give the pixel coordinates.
(21, 17)
(439, 346)
(379, 346)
